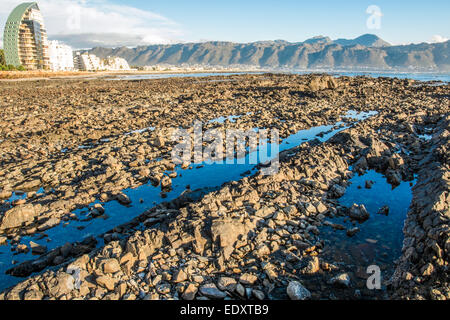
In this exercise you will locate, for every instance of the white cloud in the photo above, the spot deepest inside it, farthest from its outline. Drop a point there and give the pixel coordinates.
(437, 38)
(89, 23)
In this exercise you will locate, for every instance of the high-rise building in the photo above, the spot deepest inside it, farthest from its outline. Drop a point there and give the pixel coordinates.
(25, 38)
(61, 56)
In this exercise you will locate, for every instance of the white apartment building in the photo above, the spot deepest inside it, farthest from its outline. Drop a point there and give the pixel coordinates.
(88, 62)
(61, 56)
(115, 64)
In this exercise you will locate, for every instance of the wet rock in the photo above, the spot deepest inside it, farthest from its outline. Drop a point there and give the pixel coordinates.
(393, 177)
(166, 182)
(66, 249)
(37, 248)
(384, 211)
(296, 291)
(29, 185)
(358, 212)
(123, 199)
(97, 210)
(353, 231)
(369, 184)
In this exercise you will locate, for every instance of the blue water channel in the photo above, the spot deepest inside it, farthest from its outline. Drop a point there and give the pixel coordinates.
(198, 176)
(380, 239)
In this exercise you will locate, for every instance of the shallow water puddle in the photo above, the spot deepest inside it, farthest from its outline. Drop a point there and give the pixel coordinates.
(380, 239)
(199, 176)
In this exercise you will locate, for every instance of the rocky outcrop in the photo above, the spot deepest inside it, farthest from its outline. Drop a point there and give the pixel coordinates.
(422, 270)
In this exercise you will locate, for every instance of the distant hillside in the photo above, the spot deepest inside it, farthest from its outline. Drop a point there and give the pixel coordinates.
(367, 51)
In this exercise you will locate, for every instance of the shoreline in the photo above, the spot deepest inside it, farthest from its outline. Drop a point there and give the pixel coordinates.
(75, 75)
(28, 76)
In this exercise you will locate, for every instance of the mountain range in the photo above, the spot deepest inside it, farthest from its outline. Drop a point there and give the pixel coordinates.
(365, 52)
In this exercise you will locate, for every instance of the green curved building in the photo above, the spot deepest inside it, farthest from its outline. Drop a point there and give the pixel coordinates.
(25, 38)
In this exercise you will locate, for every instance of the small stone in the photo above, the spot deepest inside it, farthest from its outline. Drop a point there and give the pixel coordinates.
(296, 291)
(190, 292)
(163, 288)
(313, 266)
(240, 289)
(180, 276)
(166, 182)
(210, 290)
(342, 280)
(123, 199)
(337, 191)
(427, 270)
(227, 283)
(110, 266)
(321, 208)
(248, 279)
(65, 284)
(106, 282)
(351, 232)
(384, 211)
(258, 294)
(263, 250)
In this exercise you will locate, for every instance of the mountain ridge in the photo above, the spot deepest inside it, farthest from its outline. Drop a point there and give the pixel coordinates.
(364, 52)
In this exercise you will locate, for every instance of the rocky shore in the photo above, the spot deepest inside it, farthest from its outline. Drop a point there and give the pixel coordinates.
(71, 143)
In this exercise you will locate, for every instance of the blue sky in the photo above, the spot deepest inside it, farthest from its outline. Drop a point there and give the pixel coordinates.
(296, 20)
(88, 23)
